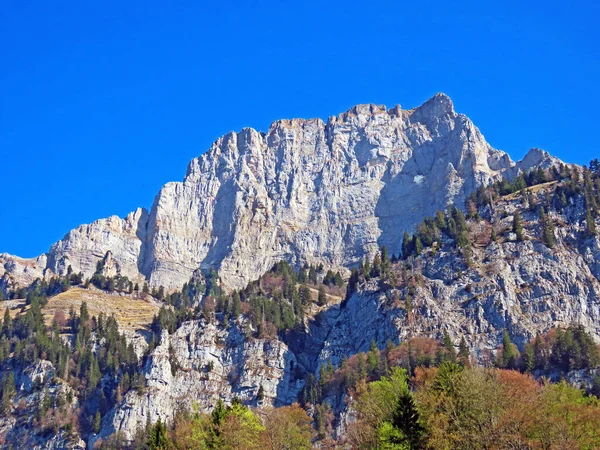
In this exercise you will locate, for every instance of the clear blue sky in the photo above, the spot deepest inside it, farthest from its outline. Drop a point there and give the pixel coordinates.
(101, 102)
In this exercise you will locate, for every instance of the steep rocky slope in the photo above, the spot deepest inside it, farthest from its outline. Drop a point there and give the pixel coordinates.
(200, 364)
(524, 287)
(306, 191)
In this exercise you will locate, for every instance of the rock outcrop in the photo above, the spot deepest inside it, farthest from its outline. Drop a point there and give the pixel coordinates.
(305, 191)
(19, 272)
(522, 287)
(198, 365)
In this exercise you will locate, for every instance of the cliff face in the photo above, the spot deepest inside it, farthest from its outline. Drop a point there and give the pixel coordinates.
(198, 365)
(306, 191)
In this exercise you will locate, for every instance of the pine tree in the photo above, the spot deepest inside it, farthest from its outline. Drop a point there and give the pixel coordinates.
(463, 351)
(418, 245)
(376, 270)
(312, 274)
(305, 295)
(367, 269)
(83, 313)
(97, 422)
(8, 392)
(7, 324)
(406, 245)
(510, 354)
(219, 414)
(449, 347)
(158, 439)
(406, 418)
(590, 223)
(322, 299)
(518, 226)
(385, 260)
(547, 229)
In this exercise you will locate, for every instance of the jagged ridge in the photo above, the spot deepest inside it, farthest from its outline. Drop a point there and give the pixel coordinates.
(306, 191)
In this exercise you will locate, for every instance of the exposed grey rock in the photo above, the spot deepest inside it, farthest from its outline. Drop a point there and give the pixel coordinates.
(36, 374)
(523, 287)
(84, 246)
(15, 271)
(305, 191)
(18, 429)
(200, 364)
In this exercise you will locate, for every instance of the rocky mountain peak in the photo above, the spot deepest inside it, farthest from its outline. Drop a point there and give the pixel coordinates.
(305, 191)
(438, 105)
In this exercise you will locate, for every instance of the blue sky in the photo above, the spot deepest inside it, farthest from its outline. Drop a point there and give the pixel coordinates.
(103, 102)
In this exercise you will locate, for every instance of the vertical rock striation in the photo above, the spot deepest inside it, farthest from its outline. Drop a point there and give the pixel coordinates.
(306, 191)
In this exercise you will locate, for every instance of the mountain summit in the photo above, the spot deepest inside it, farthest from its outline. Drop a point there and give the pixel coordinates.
(306, 192)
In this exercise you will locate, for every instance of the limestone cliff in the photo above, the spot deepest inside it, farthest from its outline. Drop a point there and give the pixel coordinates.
(305, 191)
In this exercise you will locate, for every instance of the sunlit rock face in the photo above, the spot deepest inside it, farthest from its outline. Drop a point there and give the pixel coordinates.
(305, 191)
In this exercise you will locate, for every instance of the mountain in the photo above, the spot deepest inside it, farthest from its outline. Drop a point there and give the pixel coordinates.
(526, 286)
(306, 192)
(496, 259)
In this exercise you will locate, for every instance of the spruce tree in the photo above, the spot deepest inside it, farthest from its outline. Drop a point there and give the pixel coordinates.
(449, 347)
(406, 418)
(510, 354)
(547, 229)
(518, 226)
(367, 269)
(322, 299)
(406, 245)
(97, 422)
(418, 245)
(158, 439)
(7, 324)
(385, 260)
(463, 351)
(590, 222)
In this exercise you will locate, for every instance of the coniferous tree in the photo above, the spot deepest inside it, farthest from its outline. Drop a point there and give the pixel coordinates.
(367, 269)
(158, 438)
(590, 222)
(312, 274)
(547, 229)
(8, 392)
(406, 418)
(236, 305)
(518, 226)
(7, 324)
(510, 354)
(463, 352)
(376, 270)
(322, 298)
(418, 245)
(385, 260)
(407, 245)
(97, 422)
(449, 347)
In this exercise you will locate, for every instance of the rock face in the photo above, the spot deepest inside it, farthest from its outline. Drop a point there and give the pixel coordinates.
(306, 191)
(198, 365)
(34, 385)
(522, 287)
(84, 246)
(15, 271)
